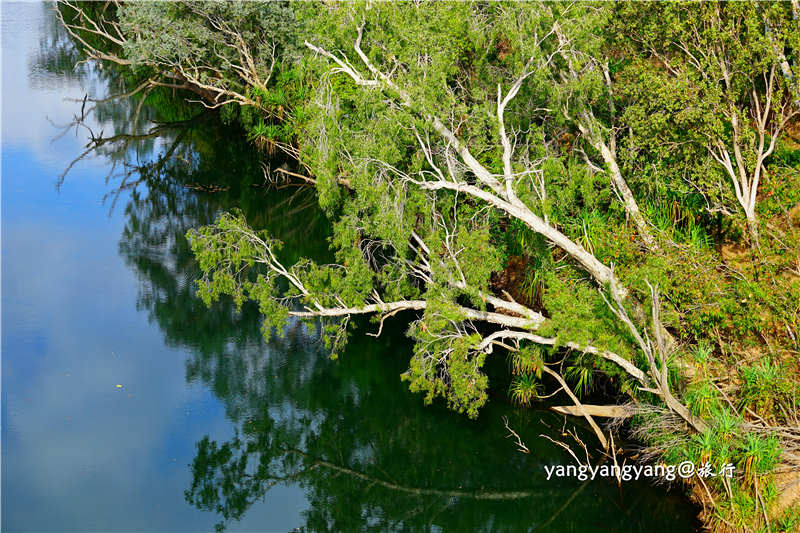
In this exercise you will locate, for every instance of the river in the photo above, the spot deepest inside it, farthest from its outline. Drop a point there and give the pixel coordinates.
(127, 405)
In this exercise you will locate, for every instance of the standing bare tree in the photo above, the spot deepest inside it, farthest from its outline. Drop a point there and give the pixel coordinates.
(729, 57)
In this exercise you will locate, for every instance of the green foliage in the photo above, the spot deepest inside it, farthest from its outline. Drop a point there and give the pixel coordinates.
(726, 423)
(665, 153)
(759, 455)
(532, 286)
(702, 353)
(763, 385)
(242, 53)
(205, 34)
(232, 258)
(280, 107)
(681, 220)
(581, 373)
(525, 388)
(741, 509)
(702, 399)
(458, 379)
(789, 520)
(679, 102)
(528, 360)
(579, 314)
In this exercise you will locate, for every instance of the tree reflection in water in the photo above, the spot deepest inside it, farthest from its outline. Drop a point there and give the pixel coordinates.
(367, 453)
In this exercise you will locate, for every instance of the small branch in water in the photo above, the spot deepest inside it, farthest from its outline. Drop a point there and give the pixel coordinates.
(563, 445)
(511, 433)
(605, 411)
(419, 491)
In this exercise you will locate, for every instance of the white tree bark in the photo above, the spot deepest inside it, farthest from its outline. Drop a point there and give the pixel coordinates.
(503, 197)
(768, 118)
(588, 129)
(499, 197)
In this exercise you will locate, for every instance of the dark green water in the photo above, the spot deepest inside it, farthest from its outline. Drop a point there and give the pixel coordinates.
(211, 424)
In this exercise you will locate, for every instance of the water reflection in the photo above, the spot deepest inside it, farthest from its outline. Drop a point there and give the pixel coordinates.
(367, 453)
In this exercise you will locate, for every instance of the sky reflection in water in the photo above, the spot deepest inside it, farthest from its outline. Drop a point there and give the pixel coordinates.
(92, 299)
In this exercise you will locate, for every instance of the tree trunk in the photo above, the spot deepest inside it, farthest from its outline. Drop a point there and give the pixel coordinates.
(631, 207)
(752, 228)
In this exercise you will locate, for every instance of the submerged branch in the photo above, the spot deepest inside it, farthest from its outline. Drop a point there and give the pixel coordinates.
(417, 491)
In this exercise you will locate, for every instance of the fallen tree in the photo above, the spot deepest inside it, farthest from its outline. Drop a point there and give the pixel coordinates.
(420, 148)
(455, 146)
(439, 256)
